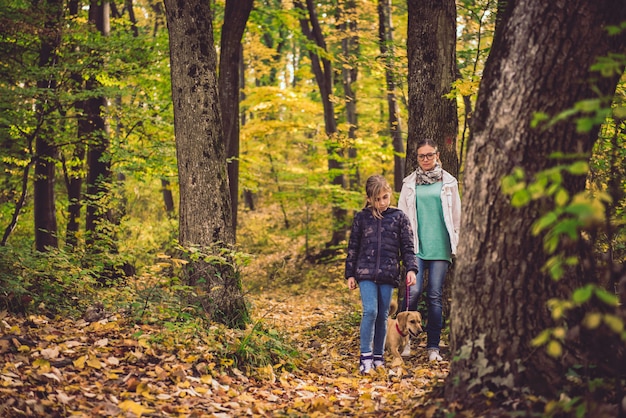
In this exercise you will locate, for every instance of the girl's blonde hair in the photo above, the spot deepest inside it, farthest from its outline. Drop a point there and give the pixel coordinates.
(374, 187)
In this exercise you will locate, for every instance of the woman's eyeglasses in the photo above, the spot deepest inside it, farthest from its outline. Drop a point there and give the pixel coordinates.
(428, 156)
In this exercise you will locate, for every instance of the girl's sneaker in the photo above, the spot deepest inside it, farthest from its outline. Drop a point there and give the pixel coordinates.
(366, 363)
(379, 361)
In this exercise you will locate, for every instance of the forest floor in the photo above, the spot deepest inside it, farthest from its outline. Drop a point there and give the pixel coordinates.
(119, 368)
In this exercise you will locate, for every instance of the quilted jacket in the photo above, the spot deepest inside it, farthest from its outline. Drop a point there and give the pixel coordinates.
(377, 246)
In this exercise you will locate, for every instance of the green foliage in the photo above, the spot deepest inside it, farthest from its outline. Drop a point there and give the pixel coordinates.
(53, 282)
(569, 216)
(262, 346)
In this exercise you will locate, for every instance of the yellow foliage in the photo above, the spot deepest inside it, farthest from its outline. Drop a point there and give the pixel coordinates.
(554, 348)
(135, 408)
(79, 363)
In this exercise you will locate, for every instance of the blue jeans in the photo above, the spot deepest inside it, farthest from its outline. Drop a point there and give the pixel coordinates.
(437, 270)
(375, 300)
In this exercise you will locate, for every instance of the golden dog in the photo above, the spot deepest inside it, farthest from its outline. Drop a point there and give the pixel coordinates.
(406, 325)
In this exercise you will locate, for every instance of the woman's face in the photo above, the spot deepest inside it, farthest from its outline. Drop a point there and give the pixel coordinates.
(427, 157)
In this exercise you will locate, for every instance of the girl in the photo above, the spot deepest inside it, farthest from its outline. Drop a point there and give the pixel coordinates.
(381, 236)
(430, 198)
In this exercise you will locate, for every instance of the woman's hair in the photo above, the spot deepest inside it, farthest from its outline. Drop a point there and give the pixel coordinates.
(426, 141)
(374, 187)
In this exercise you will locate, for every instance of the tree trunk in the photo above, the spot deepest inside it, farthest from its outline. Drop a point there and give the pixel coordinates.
(385, 36)
(73, 176)
(205, 217)
(540, 62)
(168, 198)
(235, 17)
(323, 71)
(45, 208)
(431, 50)
(349, 73)
(98, 162)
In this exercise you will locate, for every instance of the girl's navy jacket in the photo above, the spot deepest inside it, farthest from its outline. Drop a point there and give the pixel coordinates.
(377, 246)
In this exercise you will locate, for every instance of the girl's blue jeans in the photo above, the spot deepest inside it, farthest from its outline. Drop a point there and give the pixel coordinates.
(375, 300)
(437, 270)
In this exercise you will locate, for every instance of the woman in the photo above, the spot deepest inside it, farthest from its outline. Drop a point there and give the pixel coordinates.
(430, 198)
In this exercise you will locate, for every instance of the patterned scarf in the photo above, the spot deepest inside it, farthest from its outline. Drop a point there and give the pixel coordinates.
(428, 177)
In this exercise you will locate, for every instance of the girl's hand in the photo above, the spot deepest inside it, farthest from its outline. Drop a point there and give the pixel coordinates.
(352, 283)
(411, 278)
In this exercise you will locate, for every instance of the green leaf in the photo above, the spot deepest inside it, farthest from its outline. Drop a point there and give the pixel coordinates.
(520, 198)
(582, 294)
(581, 210)
(544, 222)
(561, 198)
(568, 227)
(579, 168)
(584, 125)
(607, 297)
(537, 189)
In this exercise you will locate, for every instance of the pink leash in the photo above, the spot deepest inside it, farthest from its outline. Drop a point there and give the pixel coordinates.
(407, 296)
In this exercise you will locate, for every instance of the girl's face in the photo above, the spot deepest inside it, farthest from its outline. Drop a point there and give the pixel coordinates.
(381, 203)
(427, 157)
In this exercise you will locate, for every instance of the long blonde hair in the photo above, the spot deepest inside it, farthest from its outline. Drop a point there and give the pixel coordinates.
(374, 187)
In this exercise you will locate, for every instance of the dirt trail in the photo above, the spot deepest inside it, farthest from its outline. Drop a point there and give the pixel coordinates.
(118, 368)
(328, 383)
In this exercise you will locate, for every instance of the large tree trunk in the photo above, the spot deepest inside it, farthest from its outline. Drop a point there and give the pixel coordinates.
(235, 17)
(540, 62)
(205, 217)
(431, 50)
(45, 208)
(385, 39)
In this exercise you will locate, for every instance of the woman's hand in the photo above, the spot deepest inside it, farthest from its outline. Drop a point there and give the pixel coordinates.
(411, 278)
(352, 283)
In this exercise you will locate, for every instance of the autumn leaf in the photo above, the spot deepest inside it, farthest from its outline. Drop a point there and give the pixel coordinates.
(79, 363)
(134, 407)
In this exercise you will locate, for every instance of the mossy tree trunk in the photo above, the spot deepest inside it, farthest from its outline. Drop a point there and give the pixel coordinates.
(540, 62)
(205, 217)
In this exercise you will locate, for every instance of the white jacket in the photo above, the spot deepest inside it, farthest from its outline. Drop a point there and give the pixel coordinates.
(450, 202)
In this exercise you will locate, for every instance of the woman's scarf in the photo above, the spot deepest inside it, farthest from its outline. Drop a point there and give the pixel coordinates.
(428, 177)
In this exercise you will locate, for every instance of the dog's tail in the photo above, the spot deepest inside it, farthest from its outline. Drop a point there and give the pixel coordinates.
(393, 306)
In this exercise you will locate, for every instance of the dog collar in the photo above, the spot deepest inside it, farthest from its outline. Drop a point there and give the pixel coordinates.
(400, 332)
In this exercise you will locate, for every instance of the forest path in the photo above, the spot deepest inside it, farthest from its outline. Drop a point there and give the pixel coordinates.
(323, 323)
(116, 367)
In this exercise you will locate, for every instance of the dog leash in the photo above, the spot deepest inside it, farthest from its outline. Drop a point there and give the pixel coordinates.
(407, 296)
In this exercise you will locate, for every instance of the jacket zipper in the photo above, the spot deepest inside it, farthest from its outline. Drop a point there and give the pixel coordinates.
(378, 233)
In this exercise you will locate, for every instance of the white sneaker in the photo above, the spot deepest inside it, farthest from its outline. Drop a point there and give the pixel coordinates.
(407, 350)
(366, 363)
(433, 355)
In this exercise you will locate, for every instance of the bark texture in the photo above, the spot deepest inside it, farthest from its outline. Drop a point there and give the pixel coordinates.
(539, 62)
(431, 50)
(45, 208)
(205, 217)
(98, 157)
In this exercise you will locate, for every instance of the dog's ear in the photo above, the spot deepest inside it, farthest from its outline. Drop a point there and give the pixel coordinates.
(402, 318)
